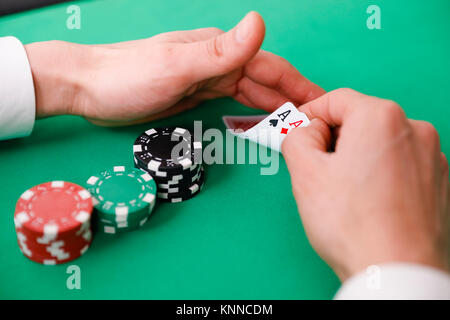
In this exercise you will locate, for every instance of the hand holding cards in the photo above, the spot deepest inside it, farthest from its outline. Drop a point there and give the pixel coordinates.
(271, 130)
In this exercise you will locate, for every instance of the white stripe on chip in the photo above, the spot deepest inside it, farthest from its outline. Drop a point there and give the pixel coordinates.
(57, 184)
(150, 132)
(92, 180)
(149, 198)
(84, 194)
(137, 148)
(119, 169)
(27, 195)
(146, 177)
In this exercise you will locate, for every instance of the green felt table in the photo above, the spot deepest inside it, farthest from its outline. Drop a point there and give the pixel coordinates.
(242, 237)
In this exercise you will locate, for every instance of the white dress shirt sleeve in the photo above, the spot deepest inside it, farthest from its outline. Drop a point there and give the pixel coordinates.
(397, 281)
(17, 100)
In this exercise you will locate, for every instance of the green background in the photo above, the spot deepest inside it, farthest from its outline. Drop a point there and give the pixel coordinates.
(241, 237)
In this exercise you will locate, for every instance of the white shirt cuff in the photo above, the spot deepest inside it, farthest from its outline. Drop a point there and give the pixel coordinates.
(397, 281)
(17, 100)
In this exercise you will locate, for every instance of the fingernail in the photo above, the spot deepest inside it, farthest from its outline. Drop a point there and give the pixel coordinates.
(243, 30)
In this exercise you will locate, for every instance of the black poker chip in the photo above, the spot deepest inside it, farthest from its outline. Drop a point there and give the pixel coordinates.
(166, 151)
(179, 176)
(172, 187)
(184, 181)
(166, 175)
(183, 195)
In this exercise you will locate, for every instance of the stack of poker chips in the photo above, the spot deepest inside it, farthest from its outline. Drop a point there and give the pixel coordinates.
(173, 158)
(53, 222)
(123, 198)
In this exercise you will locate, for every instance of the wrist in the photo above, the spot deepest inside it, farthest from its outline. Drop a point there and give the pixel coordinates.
(57, 68)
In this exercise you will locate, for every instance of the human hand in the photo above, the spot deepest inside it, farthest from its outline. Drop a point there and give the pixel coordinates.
(381, 196)
(143, 80)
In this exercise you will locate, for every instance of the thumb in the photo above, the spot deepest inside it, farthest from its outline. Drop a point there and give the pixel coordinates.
(227, 51)
(304, 146)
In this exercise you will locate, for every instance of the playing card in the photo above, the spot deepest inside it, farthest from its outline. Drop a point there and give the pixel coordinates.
(241, 123)
(271, 130)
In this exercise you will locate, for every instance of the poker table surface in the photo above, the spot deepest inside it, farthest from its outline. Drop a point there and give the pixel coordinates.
(241, 237)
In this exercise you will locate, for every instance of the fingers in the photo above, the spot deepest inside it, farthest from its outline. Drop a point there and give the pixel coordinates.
(445, 189)
(225, 52)
(430, 150)
(187, 36)
(337, 105)
(445, 182)
(258, 95)
(278, 74)
(305, 147)
(444, 165)
(428, 142)
(334, 106)
(184, 36)
(316, 136)
(427, 135)
(243, 100)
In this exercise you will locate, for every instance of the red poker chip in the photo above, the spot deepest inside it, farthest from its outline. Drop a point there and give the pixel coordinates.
(46, 260)
(45, 238)
(53, 209)
(53, 248)
(57, 250)
(40, 244)
(53, 222)
(58, 255)
(85, 232)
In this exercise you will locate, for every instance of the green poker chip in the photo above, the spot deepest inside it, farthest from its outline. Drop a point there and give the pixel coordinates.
(122, 195)
(113, 227)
